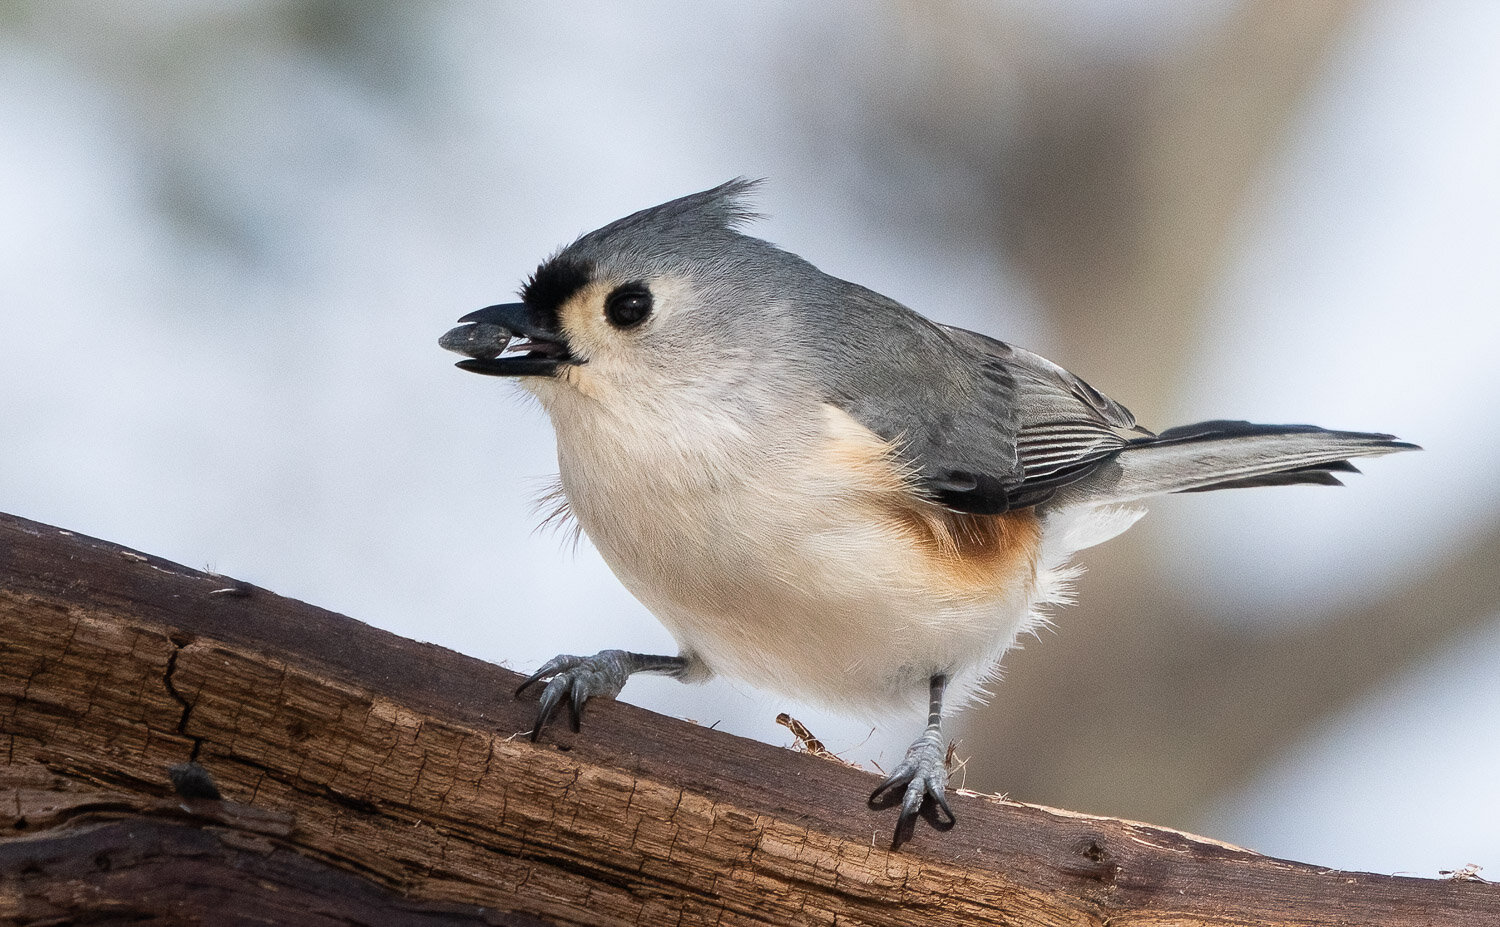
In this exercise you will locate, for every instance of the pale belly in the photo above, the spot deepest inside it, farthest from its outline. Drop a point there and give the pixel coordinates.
(809, 591)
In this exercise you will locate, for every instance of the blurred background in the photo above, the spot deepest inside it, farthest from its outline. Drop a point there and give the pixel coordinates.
(231, 232)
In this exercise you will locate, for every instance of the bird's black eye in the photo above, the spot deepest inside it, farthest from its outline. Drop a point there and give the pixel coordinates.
(628, 305)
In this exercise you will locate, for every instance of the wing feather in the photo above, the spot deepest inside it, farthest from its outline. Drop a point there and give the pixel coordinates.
(985, 426)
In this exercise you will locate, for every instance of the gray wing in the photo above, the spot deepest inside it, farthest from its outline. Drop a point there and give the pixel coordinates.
(987, 427)
(1066, 427)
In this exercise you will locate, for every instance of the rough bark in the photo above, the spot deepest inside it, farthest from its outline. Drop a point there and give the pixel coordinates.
(369, 779)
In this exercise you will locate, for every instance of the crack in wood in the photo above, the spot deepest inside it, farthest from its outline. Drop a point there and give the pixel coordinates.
(178, 644)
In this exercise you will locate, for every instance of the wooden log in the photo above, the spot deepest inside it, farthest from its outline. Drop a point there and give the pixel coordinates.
(372, 779)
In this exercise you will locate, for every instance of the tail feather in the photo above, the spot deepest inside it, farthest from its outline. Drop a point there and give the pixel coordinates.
(1230, 454)
(1314, 475)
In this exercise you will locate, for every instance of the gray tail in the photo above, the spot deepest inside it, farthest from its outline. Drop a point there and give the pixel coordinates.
(1228, 455)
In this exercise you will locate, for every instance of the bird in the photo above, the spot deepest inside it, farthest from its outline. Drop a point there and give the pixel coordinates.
(819, 491)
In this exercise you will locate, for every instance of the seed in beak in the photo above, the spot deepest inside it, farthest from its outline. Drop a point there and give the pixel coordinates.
(482, 340)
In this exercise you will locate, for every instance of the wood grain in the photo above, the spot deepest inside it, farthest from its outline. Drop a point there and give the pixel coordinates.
(373, 779)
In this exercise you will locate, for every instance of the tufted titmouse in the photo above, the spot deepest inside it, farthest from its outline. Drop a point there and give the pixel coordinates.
(816, 489)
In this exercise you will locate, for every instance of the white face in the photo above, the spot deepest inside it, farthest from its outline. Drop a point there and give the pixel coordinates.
(626, 336)
(665, 365)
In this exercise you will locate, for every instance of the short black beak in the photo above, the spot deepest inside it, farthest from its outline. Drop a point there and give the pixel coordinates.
(485, 335)
(518, 317)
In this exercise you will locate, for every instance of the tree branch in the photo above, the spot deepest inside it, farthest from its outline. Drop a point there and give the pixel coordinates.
(372, 779)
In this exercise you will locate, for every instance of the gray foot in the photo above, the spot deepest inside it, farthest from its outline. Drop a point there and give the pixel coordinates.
(923, 774)
(575, 680)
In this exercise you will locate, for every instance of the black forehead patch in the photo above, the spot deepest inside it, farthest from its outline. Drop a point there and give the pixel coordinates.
(554, 283)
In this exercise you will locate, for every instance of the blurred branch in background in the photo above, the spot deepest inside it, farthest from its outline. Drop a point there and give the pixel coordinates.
(1115, 181)
(1128, 286)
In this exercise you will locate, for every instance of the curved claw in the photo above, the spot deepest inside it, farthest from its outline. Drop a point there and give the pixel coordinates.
(940, 801)
(578, 696)
(558, 664)
(876, 802)
(552, 699)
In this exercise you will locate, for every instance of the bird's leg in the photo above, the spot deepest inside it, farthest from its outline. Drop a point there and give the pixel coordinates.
(575, 680)
(923, 774)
